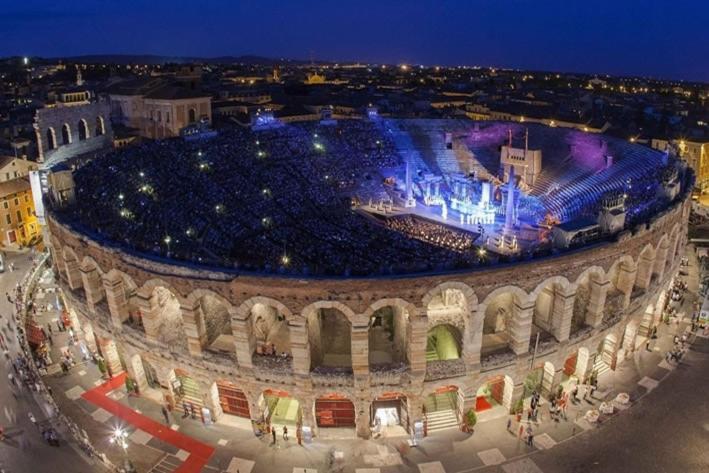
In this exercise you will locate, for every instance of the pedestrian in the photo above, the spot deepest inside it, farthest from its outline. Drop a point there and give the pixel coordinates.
(32, 419)
(647, 345)
(509, 424)
(185, 409)
(299, 436)
(530, 437)
(273, 435)
(285, 432)
(521, 431)
(192, 411)
(165, 415)
(49, 326)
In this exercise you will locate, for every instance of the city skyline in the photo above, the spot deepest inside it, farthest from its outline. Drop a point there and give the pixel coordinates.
(603, 38)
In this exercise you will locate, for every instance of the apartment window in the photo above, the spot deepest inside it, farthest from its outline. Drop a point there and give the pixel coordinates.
(27, 198)
(9, 220)
(7, 176)
(17, 201)
(5, 204)
(19, 216)
(29, 211)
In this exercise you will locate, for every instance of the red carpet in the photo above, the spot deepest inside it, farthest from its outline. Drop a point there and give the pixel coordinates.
(199, 452)
(482, 404)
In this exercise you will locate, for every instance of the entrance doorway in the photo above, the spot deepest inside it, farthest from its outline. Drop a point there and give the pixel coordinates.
(334, 410)
(187, 394)
(233, 400)
(280, 408)
(441, 408)
(389, 415)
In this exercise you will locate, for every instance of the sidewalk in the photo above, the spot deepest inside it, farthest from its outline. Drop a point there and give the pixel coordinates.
(226, 448)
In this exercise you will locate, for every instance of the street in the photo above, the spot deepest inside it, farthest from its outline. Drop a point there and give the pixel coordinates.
(23, 448)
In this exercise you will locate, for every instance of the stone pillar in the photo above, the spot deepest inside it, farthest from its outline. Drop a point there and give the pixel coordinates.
(516, 393)
(110, 356)
(661, 260)
(562, 312)
(626, 280)
(659, 305)
(644, 272)
(115, 291)
(416, 347)
(508, 394)
(91, 281)
(211, 399)
(299, 346)
(596, 302)
(583, 364)
(73, 274)
(89, 337)
(360, 348)
(193, 324)
(414, 410)
(471, 344)
(307, 407)
(149, 316)
(244, 341)
(137, 372)
(520, 327)
(362, 418)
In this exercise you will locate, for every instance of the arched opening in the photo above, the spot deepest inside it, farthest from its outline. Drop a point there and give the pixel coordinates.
(495, 396)
(330, 339)
(100, 126)
(441, 409)
(583, 300)
(279, 408)
(66, 134)
(500, 313)
(151, 375)
(388, 337)
(443, 342)
(548, 312)
(646, 262)
(168, 319)
(51, 139)
(83, 130)
(187, 394)
(621, 280)
(605, 356)
(232, 400)
(389, 415)
(629, 336)
(576, 367)
(272, 337)
(191, 116)
(214, 313)
(334, 410)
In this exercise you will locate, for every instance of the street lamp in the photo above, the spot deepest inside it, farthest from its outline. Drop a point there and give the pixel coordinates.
(167, 241)
(120, 437)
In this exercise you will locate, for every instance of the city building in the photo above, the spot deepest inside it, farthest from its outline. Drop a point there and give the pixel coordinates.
(18, 223)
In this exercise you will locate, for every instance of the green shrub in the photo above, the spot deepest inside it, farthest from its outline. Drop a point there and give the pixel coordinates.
(471, 418)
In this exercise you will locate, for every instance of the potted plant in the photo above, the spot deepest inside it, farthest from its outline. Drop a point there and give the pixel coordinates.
(471, 418)
(102, 367)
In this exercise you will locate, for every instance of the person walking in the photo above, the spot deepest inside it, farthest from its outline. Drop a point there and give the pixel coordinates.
(165, 415)
(530, 437)
(32, 419)
(509, 424)
(273, 435)
(299, 436)
(521, 431)
(285, 432)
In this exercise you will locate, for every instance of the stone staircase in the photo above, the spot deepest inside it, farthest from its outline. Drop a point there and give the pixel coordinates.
(191, 395)
(440, 412)
(600, 366)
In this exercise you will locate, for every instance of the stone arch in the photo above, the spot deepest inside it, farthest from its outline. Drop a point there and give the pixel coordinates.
(90, 264)
(269, 325)
(454, 303)
(498, 389)
(621, 275)
(662, 250)
(209, 316)
(83, 129)
(100, 129)
(444, 342)
(163, 320)
(121, 293)
(591, 288)
(66, 134)
(91, 280)
(645, 263)
(553, 308)
(51, 139)
(606, 354)
(329, 330)
(388, 332)
(500, 326)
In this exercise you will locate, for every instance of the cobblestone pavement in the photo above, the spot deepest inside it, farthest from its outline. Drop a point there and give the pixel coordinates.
(655, 433)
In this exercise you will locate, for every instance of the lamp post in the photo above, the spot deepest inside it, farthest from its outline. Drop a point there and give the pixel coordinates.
(167, 241)
(120, 438)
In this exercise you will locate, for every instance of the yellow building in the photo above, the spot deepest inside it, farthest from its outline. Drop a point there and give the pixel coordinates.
(695, 153)
(18, 222)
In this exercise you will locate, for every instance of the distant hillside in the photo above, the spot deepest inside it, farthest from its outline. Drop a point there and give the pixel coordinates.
(154, 59)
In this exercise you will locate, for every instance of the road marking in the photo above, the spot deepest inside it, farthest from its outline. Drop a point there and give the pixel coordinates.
(101, 415)
(140, 437)
(492, 457)
(182, 454)
(431, 467)
(648, 383)
(240, 465)
(74, 393)
(222, 442)
(544, 441)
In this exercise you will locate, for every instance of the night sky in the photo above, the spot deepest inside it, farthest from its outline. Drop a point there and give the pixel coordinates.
(659, 38)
